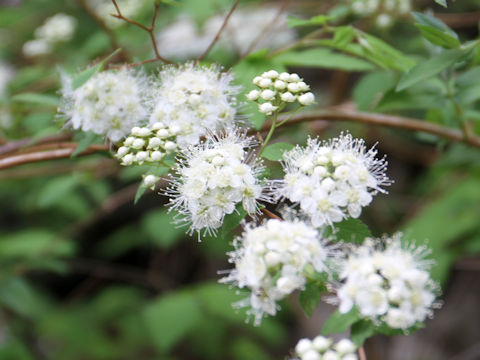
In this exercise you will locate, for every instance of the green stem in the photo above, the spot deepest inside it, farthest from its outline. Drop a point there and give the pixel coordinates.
(270, 133)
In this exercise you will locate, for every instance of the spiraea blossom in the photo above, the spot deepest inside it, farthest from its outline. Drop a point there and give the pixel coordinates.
(110, 103)
(247, 27)
(383, 11)
(275, 90)
(58, 28)
(213, 177)
(322, 348)
(388, 283)
(334, 179)
(193, 100)
(270, 261)
(55, 29)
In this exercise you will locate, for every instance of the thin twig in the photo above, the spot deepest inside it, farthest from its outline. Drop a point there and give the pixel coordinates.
(150, 30)
(361, 353)
(217, 36)
(111, 35)
(16, 145)
(266, 29)
(46, 155)
(270, 214)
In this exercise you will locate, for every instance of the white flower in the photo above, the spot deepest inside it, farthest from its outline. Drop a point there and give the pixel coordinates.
(57, 28)
(110, 103)
(387, 282)
(288, 97)
(253, 95)
(306, 99)
(194, 100)
(36, 47)
(213, 178)
(322, 348)
(270, 260)
(332, 180)
(267, 108)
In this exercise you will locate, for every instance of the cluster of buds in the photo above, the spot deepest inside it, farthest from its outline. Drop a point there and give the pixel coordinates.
(322, 348)
(277, 89)
(147, 145)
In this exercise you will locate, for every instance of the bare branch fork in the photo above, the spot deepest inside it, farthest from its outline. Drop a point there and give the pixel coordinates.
(150, 30)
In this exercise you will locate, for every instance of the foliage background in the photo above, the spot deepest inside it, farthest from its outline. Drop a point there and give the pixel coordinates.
(86, 274)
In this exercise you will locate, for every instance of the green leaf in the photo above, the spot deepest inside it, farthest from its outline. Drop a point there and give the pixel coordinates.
(140, 191)
(438, 37)
(371, 88)
(39, 99)
(316, 20)
(274, 152)
(17, 295)
(442, 3)
(429, 20)
(323, 58)
(56, 189)
(171, 318)
(310, 297)
(352, 231)
(231, 222)
(339, 323)
(385, 330)
(87, 138)
(431, 67)
(343, 36)
(361, 331)
(244, 348)
(159, 226)
(86, 74)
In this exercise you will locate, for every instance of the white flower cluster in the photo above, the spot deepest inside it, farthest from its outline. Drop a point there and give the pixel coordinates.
(270, 261)
(322, 348)
(105, 9)
(334, 179)
(110, 103)
(388, 283)
(213, 177)
(55, 29)
(194, 100)
(277, 89)
(147, 145)
(384, 11)
(184, 39)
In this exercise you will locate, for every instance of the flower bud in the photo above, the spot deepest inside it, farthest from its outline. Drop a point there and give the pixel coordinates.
(294, 78)
(266, 108)
(143, 132)
(135, 131)
(129, 141)
(256, 80)
(123, 150)
(267, 94)
(156, 155)
(158, 125)
(253, 95)
(163, 133)
(128, 159)
(150, 180)
(141, 156)
(288, 97)
(170, 146)
(154, 142)
(303, 346)
(284, 76)
(345, 346)
(306, 99)
(138, 143)
(271, 74)
(265, 83)
(280, 85)
(321, 343)
(293, 87)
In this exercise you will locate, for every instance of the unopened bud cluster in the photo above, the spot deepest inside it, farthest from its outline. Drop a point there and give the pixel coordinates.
(322, 348)
(147, 145)
(275, 89)
(384, 11)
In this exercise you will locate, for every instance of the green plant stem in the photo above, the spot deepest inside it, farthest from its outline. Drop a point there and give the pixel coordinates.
(270, 133)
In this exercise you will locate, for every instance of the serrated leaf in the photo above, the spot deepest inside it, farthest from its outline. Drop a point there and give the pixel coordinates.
(39, 99)
(339, 323)
(438, 37)
(361, 331)
(316, 20)
(310, 297)
(274, 152)
(352, 231)
(323, 58)
(431, 67)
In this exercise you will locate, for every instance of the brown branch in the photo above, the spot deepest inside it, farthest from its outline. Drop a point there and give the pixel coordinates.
(150, 30)
(14, 146)
(217, 36)
(361, 353)
(460, 20)
(270, 214)
(111, 35)
(46, 155)
(339, 114)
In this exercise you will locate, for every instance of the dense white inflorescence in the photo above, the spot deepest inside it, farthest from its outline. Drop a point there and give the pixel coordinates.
(213, 177)
(105, 9)
(270, 261)
(388, 283)
(110, 103)
(322, 348)
(57, 28)
(194, 100)
(332, 180)
(384, 11)
(248, 27)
